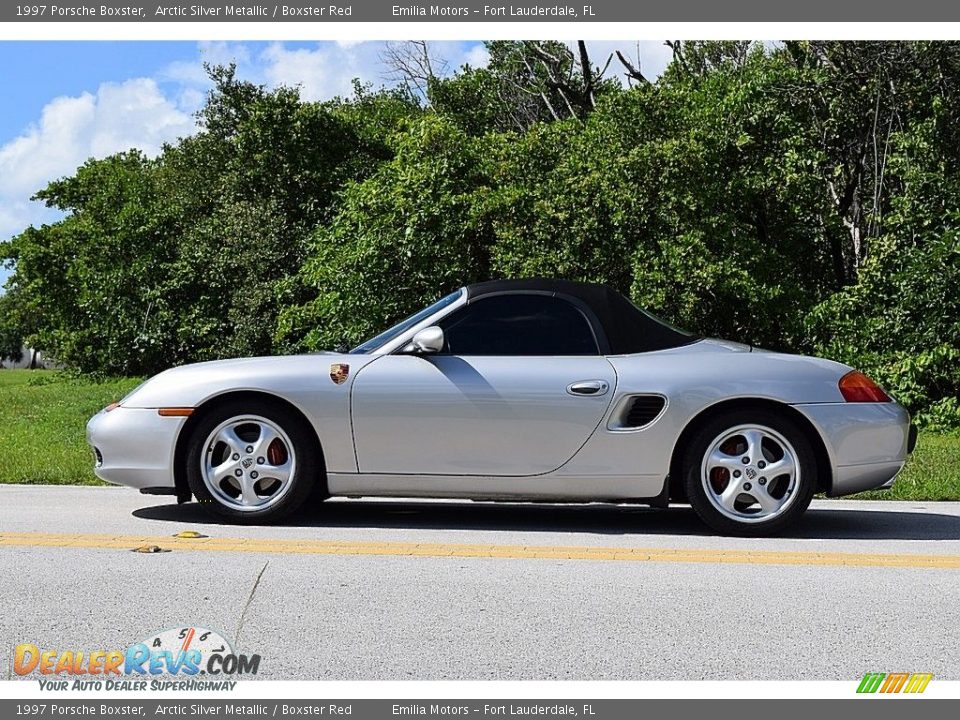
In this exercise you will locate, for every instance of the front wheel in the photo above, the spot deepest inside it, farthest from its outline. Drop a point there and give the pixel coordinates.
(750, 472)
(252, 461)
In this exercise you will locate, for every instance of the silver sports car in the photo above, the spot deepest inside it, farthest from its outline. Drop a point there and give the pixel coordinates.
(529, 390)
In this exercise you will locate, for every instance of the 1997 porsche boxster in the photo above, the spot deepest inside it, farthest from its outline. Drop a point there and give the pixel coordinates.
(519, 390)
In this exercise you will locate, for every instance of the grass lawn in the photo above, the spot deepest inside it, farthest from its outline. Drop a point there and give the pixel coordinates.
(43, 418)
(932, 473)
(43, 415)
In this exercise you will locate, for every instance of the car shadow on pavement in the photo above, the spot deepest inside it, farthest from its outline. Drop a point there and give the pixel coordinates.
(837, 522)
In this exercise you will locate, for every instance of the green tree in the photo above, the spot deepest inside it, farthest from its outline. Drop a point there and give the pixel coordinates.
(191, 255)
(11, 331)
(696, 196)
(901, 320)
(403, 236)
(524, 83)
(89, 279)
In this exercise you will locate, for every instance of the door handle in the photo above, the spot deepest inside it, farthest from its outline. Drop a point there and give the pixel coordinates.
(588, 387)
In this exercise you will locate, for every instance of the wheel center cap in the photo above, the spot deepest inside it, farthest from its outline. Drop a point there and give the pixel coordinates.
(751, 472)
(246, 462)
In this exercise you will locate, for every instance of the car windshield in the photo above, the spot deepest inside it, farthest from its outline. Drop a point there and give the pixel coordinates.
(401, 327)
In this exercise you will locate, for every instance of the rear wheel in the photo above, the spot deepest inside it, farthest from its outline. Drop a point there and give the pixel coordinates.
(750, 472)
(252, 461)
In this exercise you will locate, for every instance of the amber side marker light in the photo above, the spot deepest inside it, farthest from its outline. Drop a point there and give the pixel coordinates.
(175, 412)
(857, 387)
(111, 407)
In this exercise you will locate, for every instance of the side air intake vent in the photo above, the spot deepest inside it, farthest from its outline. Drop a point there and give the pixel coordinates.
(643, 410)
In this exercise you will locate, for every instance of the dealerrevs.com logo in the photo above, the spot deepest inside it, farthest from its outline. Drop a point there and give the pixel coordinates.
(202, 660)
(888, 683)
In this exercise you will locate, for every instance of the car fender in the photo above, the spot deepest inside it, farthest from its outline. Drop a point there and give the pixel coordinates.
(314, 384)
(692, 379)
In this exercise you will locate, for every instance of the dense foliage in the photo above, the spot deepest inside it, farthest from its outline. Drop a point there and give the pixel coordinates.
(803, 197)
(11, 333)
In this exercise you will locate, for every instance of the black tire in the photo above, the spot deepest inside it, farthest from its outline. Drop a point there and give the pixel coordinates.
(305, 481)
(700, 445)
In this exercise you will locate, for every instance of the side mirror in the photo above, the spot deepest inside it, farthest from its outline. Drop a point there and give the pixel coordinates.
(427, 341)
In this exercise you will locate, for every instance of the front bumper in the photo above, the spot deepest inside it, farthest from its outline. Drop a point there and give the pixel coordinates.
(867, 443)
(134, 446)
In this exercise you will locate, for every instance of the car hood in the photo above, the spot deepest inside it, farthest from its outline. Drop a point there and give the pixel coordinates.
(190, 385)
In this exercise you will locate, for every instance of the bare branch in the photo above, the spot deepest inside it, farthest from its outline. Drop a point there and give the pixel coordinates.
(543, 95)
(411, 63)
(677, 47)
(633, 71)
(550, 60)
(586, 69)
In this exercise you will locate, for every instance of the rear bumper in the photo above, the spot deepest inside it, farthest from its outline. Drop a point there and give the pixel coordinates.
(867, 443)
(850, 479)
(134, 447)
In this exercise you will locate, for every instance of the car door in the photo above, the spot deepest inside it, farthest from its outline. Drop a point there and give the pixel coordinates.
(518, 390)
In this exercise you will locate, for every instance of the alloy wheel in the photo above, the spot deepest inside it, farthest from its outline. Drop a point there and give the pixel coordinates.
(248, 463)
(750, 473)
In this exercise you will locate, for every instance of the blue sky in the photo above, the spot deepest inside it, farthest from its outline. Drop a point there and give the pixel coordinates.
(64, 102)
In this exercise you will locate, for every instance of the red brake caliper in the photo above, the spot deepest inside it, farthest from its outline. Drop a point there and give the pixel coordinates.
(277, 452)
(720, 477)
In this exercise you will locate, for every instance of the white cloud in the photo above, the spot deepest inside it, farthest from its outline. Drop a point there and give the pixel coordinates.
(15, 215)
(476, 57)
(223, 53)
(329, 69)
(190, 72)
(119, 116)
(321, 70)
(72, 129)
(320, 73)
(457, 54)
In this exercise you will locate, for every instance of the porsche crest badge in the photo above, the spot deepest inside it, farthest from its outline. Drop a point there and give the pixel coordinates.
(339, 372)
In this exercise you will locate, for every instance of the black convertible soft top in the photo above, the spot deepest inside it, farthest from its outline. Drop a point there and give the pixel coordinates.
(627, 329)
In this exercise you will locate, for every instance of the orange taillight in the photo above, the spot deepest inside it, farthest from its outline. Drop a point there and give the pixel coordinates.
(857, 387)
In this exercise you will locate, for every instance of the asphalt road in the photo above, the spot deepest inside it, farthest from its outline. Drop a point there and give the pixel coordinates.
(448, 590)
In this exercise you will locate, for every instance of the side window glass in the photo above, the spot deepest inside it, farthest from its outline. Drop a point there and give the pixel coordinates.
(519, 325)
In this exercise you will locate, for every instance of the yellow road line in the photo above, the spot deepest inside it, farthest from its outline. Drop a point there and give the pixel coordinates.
(350, 547)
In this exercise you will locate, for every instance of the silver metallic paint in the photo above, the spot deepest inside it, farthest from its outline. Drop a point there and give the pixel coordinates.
(485, 487)
(505, 427)
(137, 446)
(867, 442)
(301, 380)
(447, 415)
